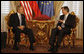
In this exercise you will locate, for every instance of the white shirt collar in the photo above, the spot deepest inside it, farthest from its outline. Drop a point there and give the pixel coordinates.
(18, 14)
(67, 14)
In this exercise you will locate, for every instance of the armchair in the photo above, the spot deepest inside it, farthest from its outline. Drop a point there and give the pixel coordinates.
(69, 40)
(10, 36)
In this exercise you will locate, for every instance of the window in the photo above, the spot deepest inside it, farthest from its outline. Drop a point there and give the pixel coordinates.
(73, 6)
(5, 7)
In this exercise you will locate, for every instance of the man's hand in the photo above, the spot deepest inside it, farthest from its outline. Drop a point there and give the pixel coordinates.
(59, 28)
(21, 27)
(61, 21)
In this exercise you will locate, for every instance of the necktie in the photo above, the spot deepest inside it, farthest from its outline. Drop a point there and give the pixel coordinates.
(20, 19)
(63, 22)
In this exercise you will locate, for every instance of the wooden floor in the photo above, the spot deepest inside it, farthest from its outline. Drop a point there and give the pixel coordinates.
(44, 49)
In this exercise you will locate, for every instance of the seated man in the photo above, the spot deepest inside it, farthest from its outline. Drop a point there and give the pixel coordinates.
(66, 22)
(17, 21)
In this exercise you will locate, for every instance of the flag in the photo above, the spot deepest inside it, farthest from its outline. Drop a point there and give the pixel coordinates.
(46, 7)
(35, 8)
(38, 10)
(30, 7)
(27, 10)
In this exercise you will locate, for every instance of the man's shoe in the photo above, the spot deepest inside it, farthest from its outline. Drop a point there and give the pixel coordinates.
(15, 48)
(55, 50)
(51, 49)
(31, 48)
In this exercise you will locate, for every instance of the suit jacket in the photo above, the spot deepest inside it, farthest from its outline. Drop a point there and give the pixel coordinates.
(14, 20)
(69, 23)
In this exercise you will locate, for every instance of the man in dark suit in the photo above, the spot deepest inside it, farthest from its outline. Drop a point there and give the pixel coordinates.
(64, 25)
(17, 21)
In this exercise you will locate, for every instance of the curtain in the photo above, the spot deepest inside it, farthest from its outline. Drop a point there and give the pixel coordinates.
(5, 8)
(80, 15)
(57, 8)
(13, 6)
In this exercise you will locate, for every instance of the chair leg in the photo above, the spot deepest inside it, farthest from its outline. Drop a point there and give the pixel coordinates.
(69, 44)
(73, 39)
(73, 43)
(26, 41)
(69, 41)
(8, 41)
(63, 44)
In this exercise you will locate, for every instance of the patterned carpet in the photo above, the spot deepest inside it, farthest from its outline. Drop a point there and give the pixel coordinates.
(44, 49)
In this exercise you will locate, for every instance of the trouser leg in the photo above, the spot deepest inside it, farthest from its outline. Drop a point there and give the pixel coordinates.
(29, 33)
(60, 37)
(17, 37)
(53, 37)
